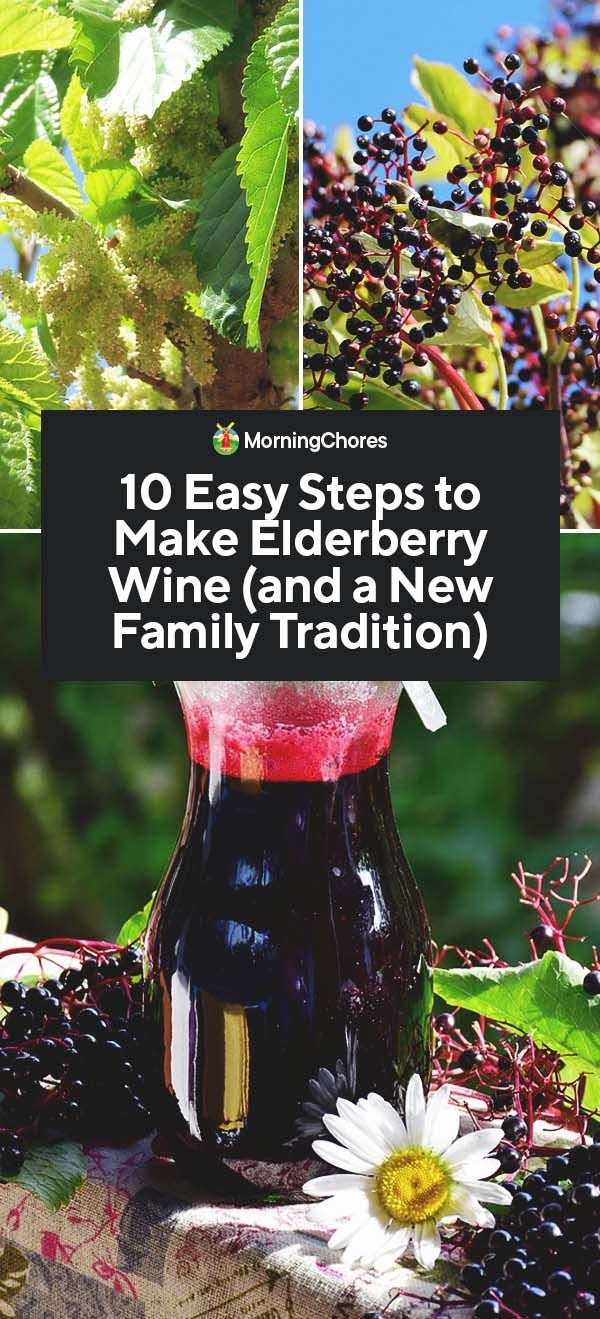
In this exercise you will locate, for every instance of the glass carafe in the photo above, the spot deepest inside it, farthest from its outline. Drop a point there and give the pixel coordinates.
(288, 935)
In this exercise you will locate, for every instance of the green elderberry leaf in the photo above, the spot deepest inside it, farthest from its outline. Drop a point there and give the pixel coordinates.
(446, 225)
(26, 25)
(543, 999)
(29, 104)
(96, 45)
(453, 97)
(109, 187)
(155, 59)
(19, 465)
(134, 927)
(282, 49)
(548, 282)
(543, 253)
(46, 166)
(471, 326)
(262, 163)
(53, 1173)
(449, 149)
(219, 247)
(25, 369)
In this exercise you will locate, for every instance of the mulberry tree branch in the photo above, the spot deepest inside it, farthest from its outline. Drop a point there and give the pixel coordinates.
(172, 392)
(23, 189)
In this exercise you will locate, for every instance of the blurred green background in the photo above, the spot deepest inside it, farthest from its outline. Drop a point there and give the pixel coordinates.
(93, 777)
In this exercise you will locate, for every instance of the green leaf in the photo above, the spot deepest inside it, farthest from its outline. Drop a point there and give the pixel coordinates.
(282, 49)
(96, 45)
(19, 469)
(549, 282)
(453, 97)
(134, 927)
(17, 403)
(219, 248)
(29, 104)
(449, 150)
(543, 999)
(45, 165)
(25, 25)
(262, 164)
(446, 225)
(80, 129)
(385, 400)
(109, 186)
(25, 368)
(237, 49)
(543, 253)
(471, 326)
(157, 58)
(54, 1173)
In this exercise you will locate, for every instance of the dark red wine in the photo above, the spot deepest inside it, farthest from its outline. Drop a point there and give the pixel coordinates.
(288, 934)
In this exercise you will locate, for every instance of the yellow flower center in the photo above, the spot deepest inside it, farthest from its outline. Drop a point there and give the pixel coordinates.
(413, 1185)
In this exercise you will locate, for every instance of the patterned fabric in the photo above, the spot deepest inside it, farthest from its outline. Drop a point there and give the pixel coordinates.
(138, 1243)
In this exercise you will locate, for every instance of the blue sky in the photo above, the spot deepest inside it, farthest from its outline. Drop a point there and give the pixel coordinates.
(357, 54)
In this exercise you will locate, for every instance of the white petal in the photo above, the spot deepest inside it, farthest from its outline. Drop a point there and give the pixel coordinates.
(414, 1110)
(335, 1183)
(442, 1121)
(491, 1192)
(387, 1117)
(370, 1124)
(367, 1244)
(335, 1209)
(465, 1206)
(436, 1102)
(477, 1169)
(395, 1246)
(346, 1232)
(340, 1157)
(427, 1245)
(474, 1146)
(366, 1147)
(324, 1211)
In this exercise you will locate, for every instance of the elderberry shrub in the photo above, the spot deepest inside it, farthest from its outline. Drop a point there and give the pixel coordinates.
(514, 1079)
(75, 1058)
(398, 273)
(544, 1256)
(563, 63)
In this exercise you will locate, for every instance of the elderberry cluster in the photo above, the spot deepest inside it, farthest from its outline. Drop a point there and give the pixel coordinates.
(544, 1257)
(389, 261)
(547, 65)
(512, 1074)
(75, 1058)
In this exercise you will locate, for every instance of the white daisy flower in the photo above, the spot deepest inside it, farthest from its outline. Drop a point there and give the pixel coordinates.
(400, 1179)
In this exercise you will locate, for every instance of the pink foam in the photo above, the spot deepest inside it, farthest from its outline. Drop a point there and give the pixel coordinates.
(287, 731)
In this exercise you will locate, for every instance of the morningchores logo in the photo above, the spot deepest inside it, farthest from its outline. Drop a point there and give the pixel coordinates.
(313, 442)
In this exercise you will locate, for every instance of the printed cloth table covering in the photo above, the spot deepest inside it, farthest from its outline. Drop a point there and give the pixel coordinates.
(138, 1243)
